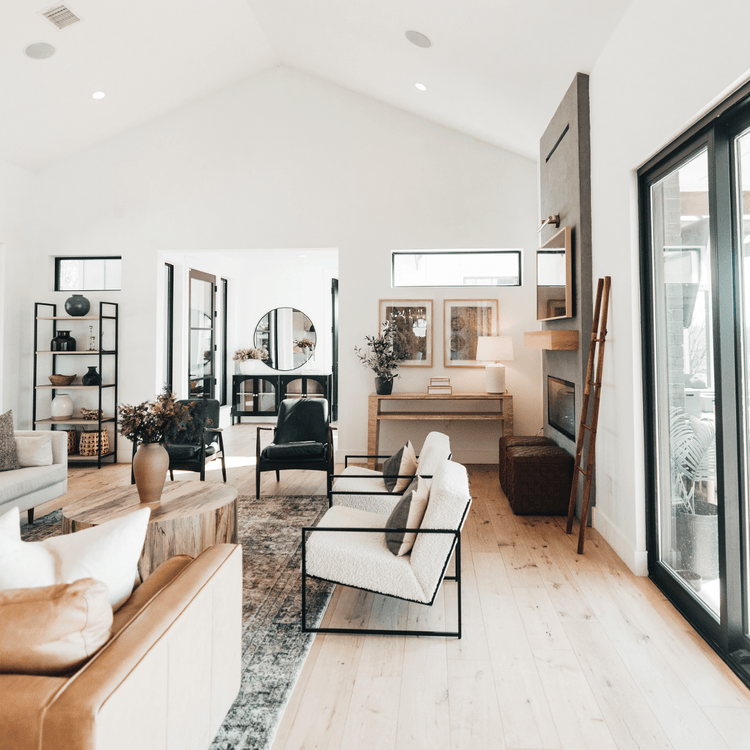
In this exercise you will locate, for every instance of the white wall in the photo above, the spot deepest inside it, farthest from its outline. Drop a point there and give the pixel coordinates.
(16, 270)
(665, 64)
(284, 160)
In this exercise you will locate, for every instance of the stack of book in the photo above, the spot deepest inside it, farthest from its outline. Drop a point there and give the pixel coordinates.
(441, 386)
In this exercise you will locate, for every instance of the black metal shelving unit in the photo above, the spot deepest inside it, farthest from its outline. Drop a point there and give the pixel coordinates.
(107, 322)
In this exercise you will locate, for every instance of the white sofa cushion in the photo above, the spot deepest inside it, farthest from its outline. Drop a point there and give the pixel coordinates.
(108, 552)
(34, 451)
(14, 484)
(360, 559)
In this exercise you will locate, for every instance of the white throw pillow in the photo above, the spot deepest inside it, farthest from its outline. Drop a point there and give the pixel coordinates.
(108, 553)
(33, 450)
(10, 524)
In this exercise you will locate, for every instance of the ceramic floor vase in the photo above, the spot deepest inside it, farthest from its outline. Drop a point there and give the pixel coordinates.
(150, 465)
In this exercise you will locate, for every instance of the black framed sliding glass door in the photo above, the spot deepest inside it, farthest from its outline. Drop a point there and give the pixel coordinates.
(695, 269)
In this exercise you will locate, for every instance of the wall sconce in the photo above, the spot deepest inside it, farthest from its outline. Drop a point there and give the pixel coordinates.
(492, 349)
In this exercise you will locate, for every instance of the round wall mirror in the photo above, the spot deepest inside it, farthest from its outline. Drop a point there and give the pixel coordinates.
(289, 337)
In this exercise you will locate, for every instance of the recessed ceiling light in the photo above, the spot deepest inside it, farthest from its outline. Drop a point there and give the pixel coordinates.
(419, 39)
(39, 51)
(98, 95)
(420, 86)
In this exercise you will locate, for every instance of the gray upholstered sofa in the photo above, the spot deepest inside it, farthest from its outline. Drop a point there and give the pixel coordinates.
(30, 486)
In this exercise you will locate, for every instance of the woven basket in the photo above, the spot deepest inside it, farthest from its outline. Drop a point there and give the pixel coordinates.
(72, 442)
(88, 444)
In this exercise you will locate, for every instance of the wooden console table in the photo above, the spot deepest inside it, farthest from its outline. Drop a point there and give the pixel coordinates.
(375, 413)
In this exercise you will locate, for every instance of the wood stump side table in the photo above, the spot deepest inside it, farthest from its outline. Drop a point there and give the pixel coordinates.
(189, 518)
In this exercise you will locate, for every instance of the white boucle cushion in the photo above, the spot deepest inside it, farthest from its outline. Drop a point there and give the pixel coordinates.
(34, 451)
(407, 514)
(108, 553)
(359, 559)
(435, 449)
(15, 484)
(10, 524)
(361, 480)
(447, 509)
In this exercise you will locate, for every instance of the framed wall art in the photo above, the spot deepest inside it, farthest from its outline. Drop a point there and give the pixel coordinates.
(464, 321)
(413, 317)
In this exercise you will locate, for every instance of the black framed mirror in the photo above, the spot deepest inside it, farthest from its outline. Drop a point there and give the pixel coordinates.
(289, 337)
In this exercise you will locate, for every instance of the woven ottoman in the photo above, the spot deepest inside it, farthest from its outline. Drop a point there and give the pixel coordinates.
(538, 479)
(513, 440)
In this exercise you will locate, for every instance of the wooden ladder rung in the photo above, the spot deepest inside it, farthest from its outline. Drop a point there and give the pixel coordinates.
(595, 366)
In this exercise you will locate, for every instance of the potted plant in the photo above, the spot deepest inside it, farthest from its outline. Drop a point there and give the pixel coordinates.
(692, 443)
(248, 357)
(147, 426)
(383, 356)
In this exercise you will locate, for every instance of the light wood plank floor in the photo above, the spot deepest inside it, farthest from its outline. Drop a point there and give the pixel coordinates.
(559, 650)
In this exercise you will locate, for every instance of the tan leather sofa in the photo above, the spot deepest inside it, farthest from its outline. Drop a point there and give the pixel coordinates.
(165, 679)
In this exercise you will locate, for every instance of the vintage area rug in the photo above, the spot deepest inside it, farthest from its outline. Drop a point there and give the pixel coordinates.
(273, 647)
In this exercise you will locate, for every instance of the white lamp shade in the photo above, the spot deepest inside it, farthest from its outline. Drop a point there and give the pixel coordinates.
(494, 348)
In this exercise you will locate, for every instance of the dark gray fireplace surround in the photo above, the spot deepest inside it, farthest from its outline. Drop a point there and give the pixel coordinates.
(565, 186)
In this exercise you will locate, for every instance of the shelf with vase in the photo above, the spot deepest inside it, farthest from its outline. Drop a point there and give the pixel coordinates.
(101, 378)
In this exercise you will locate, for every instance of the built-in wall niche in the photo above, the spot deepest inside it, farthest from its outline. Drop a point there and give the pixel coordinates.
(554, 277)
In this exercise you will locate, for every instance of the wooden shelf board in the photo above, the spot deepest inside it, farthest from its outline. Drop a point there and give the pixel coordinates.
(443, 396)
(78, 351)
(70, 318)
(78, 457)
(71, 387)
(442, 416)
(552, 338)
(75, 420)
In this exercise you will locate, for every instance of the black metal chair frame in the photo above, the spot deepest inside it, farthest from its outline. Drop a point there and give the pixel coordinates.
(202, 458)
(456, 546)
(328, 468)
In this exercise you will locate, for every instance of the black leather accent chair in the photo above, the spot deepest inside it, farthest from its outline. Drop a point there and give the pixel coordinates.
(202, 440)
(302, 439)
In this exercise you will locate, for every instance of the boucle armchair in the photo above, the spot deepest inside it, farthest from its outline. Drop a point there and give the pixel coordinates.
(349, 548)
(359, 487)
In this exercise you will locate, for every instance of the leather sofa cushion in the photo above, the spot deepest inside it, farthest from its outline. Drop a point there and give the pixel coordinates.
(158, 580)
(53, 629)
(303, 449)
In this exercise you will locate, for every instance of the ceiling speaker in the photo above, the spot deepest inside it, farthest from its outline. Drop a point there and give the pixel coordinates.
(419, 39)
(39, 50)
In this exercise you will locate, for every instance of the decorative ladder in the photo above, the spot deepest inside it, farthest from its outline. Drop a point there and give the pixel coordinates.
(596, 351)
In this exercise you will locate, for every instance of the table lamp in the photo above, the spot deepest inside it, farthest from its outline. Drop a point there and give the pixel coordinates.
(491, 349)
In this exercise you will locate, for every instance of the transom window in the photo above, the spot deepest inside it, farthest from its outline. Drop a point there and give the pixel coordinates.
(453, 268)
(88, 274)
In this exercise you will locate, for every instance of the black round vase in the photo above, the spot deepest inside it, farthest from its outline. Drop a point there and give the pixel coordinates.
(92, 377)
(383, 386)
(77, 305)
(63, 342)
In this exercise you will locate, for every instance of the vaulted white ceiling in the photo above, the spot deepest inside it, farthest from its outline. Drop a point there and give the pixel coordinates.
(496, 69)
